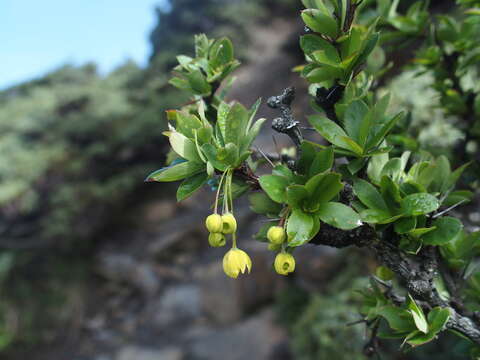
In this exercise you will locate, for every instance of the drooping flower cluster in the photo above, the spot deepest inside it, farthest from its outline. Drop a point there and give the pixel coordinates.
(237, 261)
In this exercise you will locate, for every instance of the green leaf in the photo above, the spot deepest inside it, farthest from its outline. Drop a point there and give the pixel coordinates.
(322, 188)
(374, 216)
(190, 185)
(307, 156)
(260, 203)
(419, 232)
(405, 225)
(221, 53)
(236, 124)
(299, 227)
(391, 194)
(419, 204)
(252, 112)
(212, 155)
(199, 83)
(186, 123)
(222, 114)
(322, 162)
(311, 43)
(382, 130)
(397, 318)
(418, 315)
(252, 134)
(183, 146)
(324, 73)
(384, 273)
(392, 169)
(320, 23)
(354, 116)
(332, 132)
(176, 172)
(369, 195)
(229, 155)
(375, 167)
(275, 187)
(283, 170)
(437, 319)
(339, 215)
(447, 229)
(296, 194)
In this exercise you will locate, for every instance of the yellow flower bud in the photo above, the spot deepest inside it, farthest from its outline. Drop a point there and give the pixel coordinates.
(276, 235)
(214, 223)
(236, 261)
(229, 224)
(216, 239)
(284, 263)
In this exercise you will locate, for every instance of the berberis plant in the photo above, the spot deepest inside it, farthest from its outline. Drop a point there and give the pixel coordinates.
(368, 184)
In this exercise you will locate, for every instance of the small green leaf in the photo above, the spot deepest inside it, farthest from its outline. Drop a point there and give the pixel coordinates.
(275, 187)
(405, 225)
(324, 73)
(354, 116)
(307, 156)
(320, 23)
(236, 124)
(339, 215)
(183, 146)
(322, 162)
(418, 315)
(419, 204)
(369, 195)
(296, 194)
(382, 130)
(437, 319)
(260, 203)
(190, 185)
(221, 53)
(299, 227)
(332, 132)
(384, 273)
(176, 172)
(397, 318)
(311, 43)
(322, 188)
(199, 83)
(212, 155)
(447, 229)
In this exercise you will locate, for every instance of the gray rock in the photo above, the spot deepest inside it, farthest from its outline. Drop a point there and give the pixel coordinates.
(178, 304)
(126, 269)
(140, 353)
(256, 338)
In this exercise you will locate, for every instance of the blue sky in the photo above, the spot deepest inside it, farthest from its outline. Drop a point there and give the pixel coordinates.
(39, 35)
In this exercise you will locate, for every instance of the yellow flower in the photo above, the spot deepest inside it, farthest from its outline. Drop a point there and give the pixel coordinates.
(284, 263)
(214, 223)
(229, 224)
(216, 239)
(276, 235)
(236, 261)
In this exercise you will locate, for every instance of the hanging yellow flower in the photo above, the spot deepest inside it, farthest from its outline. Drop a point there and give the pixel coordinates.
(276, 235)
(214, 223)
(284, 263)
(236, 261)
(216, 239)
(229, 223)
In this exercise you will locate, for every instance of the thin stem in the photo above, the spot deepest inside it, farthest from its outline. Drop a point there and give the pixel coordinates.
(218, 193)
